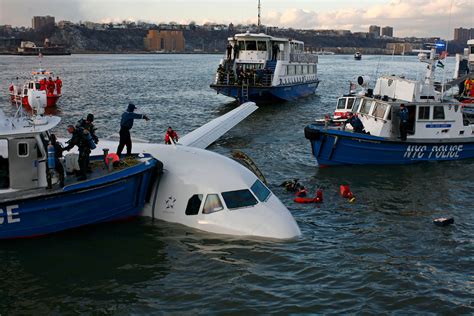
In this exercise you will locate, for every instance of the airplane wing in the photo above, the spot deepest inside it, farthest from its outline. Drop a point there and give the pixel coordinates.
(210, 132)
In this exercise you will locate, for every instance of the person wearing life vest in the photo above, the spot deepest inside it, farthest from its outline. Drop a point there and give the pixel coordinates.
(126, 123)
(59, 85)
(171, 135)
(42, 83)
(88, 124)
(80, 139)
(50, 86)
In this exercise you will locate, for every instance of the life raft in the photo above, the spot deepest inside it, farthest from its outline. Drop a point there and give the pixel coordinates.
(308, 200)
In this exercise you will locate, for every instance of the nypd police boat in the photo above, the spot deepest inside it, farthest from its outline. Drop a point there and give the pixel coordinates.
(438, 129)
(262, 68)
(33, 201)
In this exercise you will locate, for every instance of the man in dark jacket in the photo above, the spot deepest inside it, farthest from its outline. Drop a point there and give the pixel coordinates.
(355, 122)
(79, 139)
(88, 125)
(126, 123)
(403, 122)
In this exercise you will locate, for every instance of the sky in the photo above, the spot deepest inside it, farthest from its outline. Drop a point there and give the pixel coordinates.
(420, 18)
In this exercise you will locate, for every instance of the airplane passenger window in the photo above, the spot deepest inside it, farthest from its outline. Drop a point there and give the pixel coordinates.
(238, 199)
(194, 203)
(260, 190)
(213, 204)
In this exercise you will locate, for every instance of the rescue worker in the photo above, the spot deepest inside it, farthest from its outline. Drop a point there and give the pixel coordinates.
(220, 74)
(79, 139)
(88, 125)
(59, 85)
(229, 51)
(171, 135)
(236, 50)
(50, 86)
(275, 50)
(126, 124)
(355, 122)
(403, 122)
(58, 153)
(42, 83)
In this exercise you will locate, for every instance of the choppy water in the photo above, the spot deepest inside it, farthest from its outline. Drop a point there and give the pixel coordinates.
(380, 254)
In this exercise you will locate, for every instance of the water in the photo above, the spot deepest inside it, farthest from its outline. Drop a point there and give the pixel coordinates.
(380, 254)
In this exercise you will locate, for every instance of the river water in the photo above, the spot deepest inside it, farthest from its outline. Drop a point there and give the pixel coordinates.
(380, 254)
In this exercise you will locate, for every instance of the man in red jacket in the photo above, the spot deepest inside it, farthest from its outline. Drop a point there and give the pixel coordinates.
(59, 85)
(171, 135)
(50, 86)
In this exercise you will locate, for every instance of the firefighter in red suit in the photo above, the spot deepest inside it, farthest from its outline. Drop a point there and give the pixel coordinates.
(51, 86)
(171, 135)
(59, 85)
(42, 83)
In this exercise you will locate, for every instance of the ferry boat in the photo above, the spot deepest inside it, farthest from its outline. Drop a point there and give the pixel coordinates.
(262, 68)
(357, 56)
(38, 83)
(33, 200)
(464, 74)
(438, 129)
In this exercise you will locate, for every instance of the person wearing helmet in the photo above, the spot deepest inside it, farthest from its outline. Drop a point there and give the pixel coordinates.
(126, 124)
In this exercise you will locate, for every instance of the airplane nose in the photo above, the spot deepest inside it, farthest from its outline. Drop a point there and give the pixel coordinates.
(278, 222)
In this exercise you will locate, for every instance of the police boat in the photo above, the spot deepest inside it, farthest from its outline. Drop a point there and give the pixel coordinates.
(262, 68)
(210, 192)
(36, 200)
(438, 129)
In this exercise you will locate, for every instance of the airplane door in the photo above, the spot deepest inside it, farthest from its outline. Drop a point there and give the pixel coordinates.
(23, 165)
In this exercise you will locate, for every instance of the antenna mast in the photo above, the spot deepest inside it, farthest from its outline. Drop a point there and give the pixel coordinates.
(258, 23)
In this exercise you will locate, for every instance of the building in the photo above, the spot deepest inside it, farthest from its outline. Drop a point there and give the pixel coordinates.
(374, 30)
(387, 31)
(463, 35)
(165, 40)
(38, 22)
(400, 48)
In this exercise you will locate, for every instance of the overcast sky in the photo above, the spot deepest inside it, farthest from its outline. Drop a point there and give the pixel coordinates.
(408, 17)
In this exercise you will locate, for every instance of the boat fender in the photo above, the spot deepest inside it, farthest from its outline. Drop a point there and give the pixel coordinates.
(51, 156)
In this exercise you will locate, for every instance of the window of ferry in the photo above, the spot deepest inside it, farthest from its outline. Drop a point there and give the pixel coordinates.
(438, 113)
(22, 149)
(241, 45)
(260, 190)
(291, 69)
(350, 103)
(251, 45)
(424, 113)
(341, 103)
(239, 198)
(365, 106)
(194, 203)
(213, 204)
(262, 46)
(379, 111)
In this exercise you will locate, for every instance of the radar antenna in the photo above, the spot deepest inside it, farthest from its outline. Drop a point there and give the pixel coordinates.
(258, 22)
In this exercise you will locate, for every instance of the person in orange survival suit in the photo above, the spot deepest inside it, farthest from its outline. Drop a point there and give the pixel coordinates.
(59, 85)
(171, 135)
(42, 83)
(50, 86)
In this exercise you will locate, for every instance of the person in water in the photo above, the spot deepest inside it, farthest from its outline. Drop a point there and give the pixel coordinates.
(171, 135)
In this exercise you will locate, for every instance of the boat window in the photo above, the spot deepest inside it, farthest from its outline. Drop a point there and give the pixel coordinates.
(4, 177)
(251, 45)
(262, 46)
(350, 103)
(194, 203)
(291, 70)
(424, 113)
(30, 85)
(379, 110)
(241, 45)
(341, 103)
(22, 149)
(438, 113)
(260, 190)
(37, 85)
(365, 107)
(213, 204)
(238, 199)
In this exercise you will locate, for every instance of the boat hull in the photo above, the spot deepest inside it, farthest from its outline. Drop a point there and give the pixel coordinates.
(335, 148)
(51, 100)
(261, 94)
(115, 196)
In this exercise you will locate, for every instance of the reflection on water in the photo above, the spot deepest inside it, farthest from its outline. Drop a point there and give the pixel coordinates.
(381, 253)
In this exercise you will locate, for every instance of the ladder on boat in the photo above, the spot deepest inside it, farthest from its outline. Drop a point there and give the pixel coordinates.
(244, 96)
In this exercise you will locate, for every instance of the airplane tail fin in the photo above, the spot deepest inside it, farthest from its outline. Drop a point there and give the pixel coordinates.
(210, 132)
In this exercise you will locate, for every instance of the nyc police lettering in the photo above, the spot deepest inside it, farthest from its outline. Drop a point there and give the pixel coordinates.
(9, 215)
(436, 152)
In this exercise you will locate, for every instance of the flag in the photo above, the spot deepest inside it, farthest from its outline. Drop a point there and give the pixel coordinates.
(440, 64)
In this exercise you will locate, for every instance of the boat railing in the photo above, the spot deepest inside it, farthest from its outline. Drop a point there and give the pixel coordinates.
(250, 78)
(303, 58)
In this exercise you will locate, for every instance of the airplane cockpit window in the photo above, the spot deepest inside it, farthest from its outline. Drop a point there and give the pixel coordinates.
(194, 203)
(239, 198)
(213, 204)
(260, 190)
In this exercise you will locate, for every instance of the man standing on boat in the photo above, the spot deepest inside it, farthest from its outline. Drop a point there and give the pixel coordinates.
(59, 85)
(403, 122)
(126, 124)
(275, 50)
(236, 50)
(229, 51)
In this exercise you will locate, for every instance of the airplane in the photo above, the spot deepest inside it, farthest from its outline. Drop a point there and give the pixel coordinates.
(210, 192)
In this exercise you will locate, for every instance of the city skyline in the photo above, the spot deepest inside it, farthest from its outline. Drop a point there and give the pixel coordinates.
(408, 18)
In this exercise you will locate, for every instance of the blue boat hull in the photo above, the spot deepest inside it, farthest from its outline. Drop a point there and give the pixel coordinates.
(335, 148)
(261, 94)
(115, 196)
